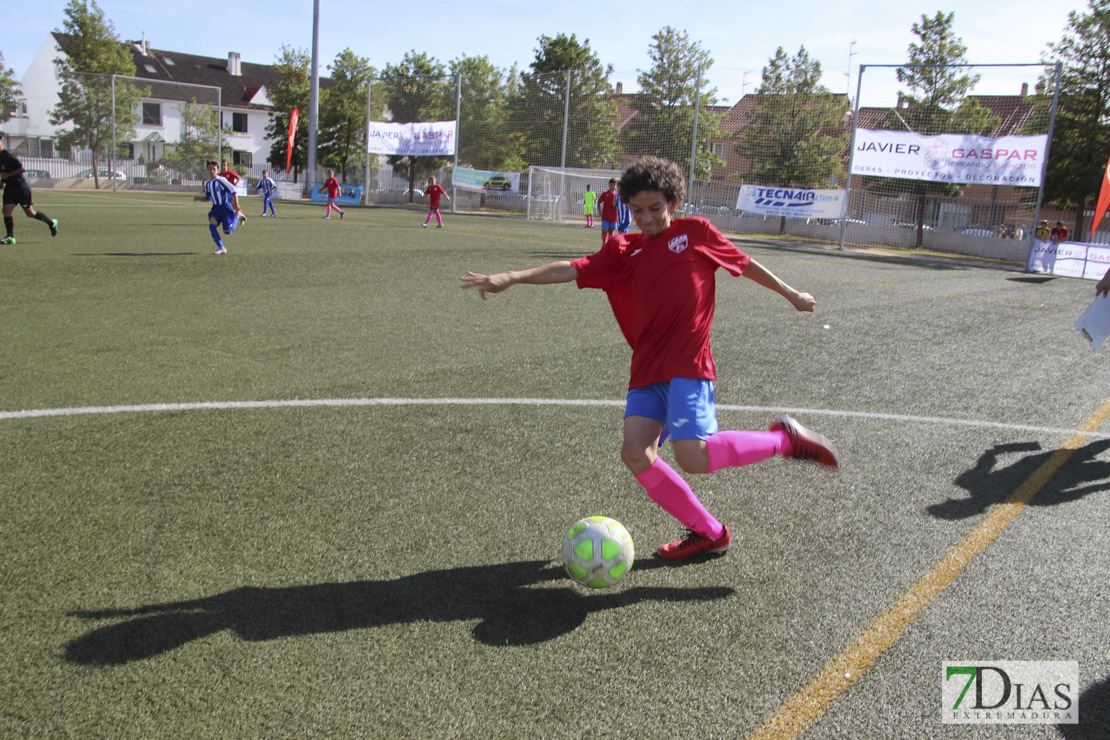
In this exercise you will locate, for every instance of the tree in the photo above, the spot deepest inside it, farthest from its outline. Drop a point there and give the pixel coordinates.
(541, 101)
(486, 142)
(201, 139)
(92, 56)
(937, 102)
(796, 134)
(9, 91)
(343, 112)
(417, 90)
(294, 91)
(1081, 136)
(665, 104)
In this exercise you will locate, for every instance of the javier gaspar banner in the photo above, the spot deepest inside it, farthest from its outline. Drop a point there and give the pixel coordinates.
(801, 202)
(958, 158)
(422, 139)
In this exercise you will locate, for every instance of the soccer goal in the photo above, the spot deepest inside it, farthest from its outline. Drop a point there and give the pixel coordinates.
(555, 194)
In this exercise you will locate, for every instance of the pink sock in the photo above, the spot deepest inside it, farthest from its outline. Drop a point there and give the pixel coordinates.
(439, 219)
(732, 449)
(668, 489)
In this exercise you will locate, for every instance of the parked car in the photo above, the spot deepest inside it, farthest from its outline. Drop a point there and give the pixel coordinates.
(102, 174)
(498, 182)
(36, 174)
(978, 231)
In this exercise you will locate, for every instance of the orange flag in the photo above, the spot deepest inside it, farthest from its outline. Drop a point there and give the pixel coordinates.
(293, 119)
(1103, 200)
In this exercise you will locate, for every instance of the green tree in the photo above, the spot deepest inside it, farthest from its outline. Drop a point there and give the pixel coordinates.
(91, 56)
(293, 92)
(201, 139)
(485, 142)
(417, 90)
(342, 137)
(540, 101)
(796, 134)
(9, 91)
(665, 104)
(937, 102)
(1081, 136)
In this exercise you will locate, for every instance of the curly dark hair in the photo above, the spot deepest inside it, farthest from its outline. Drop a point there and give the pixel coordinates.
(653, 173)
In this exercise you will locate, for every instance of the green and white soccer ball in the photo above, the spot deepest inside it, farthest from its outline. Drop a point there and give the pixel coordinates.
(597, 551)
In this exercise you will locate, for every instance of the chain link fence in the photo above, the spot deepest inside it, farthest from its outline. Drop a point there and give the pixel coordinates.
(724, 130)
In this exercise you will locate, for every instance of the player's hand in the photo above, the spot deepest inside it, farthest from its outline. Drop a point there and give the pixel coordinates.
(486, 283)
(804, 302)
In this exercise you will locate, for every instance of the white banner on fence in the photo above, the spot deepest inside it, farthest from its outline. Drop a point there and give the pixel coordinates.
(427, 139)
(503, 182)
(958, 158)
(1070, 259)
(799, 202)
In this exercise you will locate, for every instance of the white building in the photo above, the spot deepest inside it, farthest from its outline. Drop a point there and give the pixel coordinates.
(173, 78)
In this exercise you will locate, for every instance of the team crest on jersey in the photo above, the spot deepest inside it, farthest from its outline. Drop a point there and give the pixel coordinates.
(677, 244)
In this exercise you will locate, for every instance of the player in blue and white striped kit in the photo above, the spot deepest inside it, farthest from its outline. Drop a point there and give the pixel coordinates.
(624, 216)
(225, 205)
(266, 187)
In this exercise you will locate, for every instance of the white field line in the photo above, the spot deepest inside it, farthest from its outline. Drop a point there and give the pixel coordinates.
(349, 402)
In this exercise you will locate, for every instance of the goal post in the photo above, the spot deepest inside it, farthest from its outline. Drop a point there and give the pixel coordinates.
(555, 193)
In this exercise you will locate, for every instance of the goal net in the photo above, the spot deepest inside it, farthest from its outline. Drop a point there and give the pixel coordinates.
(555, 194)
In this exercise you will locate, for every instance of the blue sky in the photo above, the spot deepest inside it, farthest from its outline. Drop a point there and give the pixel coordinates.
(741, 35)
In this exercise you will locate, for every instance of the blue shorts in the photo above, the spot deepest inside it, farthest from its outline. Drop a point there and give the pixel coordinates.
(611, 225)
(686, 407)
(227, 217)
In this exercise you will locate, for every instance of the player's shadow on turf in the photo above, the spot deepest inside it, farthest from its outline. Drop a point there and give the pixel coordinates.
(1094, 714)
(510, 612)
(988, 484)
(133, 254)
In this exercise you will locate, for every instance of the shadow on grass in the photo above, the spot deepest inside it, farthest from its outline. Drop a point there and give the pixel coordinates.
(1094, 714)
(132, 254)
(990, 483)
(510, 613)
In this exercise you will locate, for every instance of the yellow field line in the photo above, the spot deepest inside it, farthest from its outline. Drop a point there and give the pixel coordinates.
(839, 674)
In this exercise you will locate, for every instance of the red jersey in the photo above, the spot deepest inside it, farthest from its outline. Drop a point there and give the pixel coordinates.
(230, 176)
(608, 205)
(434, 193)
(1059, 233)
(332, 186)
(663, 292)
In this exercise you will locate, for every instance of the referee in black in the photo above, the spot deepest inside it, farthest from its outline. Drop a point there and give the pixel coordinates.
(18, 193)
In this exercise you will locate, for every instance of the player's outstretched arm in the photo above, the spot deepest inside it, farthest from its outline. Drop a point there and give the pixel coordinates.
(1103, 287)
(760, 275)
(552, 272)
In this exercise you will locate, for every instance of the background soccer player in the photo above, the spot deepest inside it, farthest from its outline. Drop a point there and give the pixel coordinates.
(18, 193)
(266, 187)
(225, 205)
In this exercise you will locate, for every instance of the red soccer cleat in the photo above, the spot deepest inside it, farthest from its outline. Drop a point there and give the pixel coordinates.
(695, 544)
(806, 444)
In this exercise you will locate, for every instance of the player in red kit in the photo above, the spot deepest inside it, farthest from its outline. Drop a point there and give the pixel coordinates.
(608, 202)
(434, 193)
(231, 176)
(661, 287)
(332, 186)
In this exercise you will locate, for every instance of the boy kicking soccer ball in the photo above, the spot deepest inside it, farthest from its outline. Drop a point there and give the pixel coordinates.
(225, 205)
(661, 287)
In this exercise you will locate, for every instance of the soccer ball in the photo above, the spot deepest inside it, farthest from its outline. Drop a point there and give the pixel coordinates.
(597, 551)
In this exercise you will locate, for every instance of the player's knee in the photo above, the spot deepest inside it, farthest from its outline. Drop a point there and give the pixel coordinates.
(636, 458)
(692, 458)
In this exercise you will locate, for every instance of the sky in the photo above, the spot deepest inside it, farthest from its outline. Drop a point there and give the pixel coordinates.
(740, 35)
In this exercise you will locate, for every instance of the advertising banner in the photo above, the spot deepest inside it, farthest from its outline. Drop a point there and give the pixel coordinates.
(503, 182)
(427, 139)
(956, 158)
(799, 202)
(348, 194)
(1070, 259)
(294, 119)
